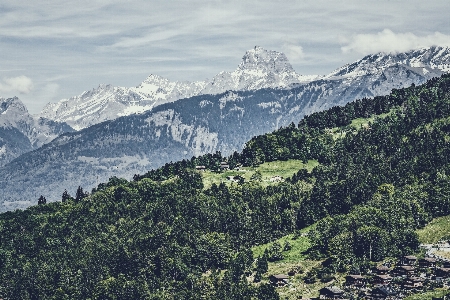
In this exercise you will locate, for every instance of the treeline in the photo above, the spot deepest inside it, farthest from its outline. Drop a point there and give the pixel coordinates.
(383, 227)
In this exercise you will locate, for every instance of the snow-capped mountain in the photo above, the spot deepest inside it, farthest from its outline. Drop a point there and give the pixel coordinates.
(424, 61)
(258, 69)
(20, 132)
(201, 124)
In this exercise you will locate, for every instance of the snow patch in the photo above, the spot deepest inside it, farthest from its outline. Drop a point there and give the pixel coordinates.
(270, 104)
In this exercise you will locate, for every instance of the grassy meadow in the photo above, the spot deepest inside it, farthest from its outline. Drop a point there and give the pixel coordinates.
(284, 169)
(435, 231)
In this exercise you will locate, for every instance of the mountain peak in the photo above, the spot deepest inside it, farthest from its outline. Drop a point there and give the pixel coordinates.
(261, 59)
(154, 78)
(14, 102)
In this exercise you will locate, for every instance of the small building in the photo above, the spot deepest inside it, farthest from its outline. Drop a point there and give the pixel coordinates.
(279, 280)
(356, 281)
(443, 272)
(276, 179)
(382, 279)
(427, 262)
(236, 178)
(404, 271)
(200, 168)
(382, 270)
(383, 292)
(224, 166)
(408, 260)
(413, 283)
(331, 292)
(446, 264)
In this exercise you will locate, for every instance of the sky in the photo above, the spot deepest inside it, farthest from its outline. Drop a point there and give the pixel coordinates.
(50, 50)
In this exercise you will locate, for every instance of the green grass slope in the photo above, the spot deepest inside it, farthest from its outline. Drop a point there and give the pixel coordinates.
(284, 169)
(436, 230)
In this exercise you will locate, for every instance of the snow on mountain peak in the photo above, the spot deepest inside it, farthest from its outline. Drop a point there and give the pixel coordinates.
(258, 69)
(7, 105)
(433, 59)
(267, 60)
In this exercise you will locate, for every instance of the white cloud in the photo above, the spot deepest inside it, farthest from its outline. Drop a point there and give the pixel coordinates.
(389, 41)
(294, 52)
(21, 84)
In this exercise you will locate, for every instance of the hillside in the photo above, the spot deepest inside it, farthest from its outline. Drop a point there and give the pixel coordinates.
(165, 235)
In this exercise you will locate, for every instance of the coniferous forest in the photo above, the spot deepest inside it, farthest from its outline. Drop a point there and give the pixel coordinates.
(384, 167)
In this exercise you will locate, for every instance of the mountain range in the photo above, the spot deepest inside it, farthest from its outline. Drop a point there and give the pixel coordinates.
(258, 69)
(261, 95)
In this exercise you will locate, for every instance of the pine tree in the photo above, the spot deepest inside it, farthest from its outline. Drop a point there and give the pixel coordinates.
(80, 194)
(65, 196)
(42, 200)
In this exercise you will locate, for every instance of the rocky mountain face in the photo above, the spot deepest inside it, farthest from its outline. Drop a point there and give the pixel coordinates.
(258, 69)
(20, 132)
(200, 124)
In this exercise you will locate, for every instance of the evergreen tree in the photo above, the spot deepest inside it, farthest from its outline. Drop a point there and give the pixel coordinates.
(65, 196)
(42, 200)
(267, 292)
(80, 194)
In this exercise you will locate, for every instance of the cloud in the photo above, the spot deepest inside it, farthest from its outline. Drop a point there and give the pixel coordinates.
(389, 41)
(294, 52)
(21, 84)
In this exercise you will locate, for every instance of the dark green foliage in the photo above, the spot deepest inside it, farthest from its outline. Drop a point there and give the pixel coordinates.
(142, 239)
(275, 252)
(267, 292)
(80, 195)
(383, 227)
(65, 196)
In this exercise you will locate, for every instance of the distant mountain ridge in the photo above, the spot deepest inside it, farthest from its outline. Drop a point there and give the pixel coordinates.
(258, 69)
(427, 60)
(20, 132)
(200, 124)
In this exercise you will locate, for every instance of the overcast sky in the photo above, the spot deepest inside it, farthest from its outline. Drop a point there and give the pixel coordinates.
(57, 49)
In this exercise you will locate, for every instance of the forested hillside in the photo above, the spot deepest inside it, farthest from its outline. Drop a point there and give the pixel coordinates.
(382, 173)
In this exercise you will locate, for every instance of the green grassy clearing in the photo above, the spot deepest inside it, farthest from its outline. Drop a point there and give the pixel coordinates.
(299, 246)
(445, 254)
(295, 258)
(435, 231)
(364, 122)
(284, 169)
(340, 132)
